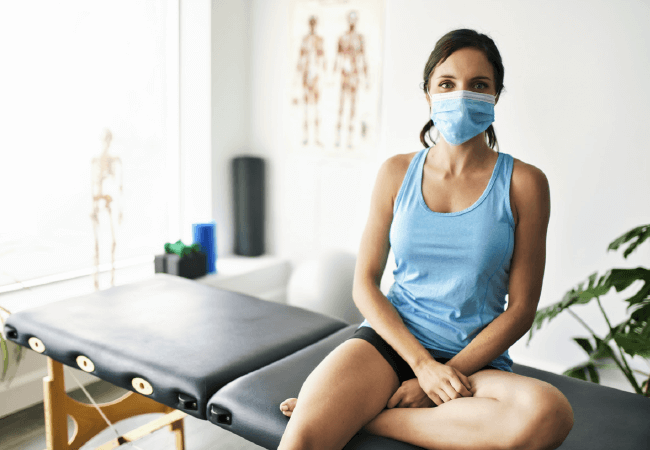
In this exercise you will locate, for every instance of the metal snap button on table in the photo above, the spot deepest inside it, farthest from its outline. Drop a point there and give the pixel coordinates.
(142, 386)
(36, 344)
(85, 363)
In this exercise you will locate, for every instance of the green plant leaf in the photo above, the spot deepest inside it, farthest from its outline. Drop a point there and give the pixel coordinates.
(631, 336)
(593, 373)
(571, 297)
(634, 336)
(601, 365)
(592, 279)
(544, 314)
(641, 314)
(585, 344)
(603, 350)
(641, 233)
(634, 345)
(576, 372)
(622, 278)
(619, 279)
(585, 372)
(5, 356)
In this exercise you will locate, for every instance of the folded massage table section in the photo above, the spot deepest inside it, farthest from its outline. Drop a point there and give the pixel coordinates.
(604, 418)
(174, 340)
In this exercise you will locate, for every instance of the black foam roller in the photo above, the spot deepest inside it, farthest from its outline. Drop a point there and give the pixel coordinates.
(248, 190)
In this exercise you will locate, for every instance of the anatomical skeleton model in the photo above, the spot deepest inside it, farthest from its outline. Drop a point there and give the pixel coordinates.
(310, 62)
(104, 172)
(350, 50)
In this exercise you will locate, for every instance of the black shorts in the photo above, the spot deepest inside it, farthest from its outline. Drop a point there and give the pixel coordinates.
(401, 367)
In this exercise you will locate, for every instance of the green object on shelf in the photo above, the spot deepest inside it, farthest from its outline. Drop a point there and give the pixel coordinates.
(181, 249)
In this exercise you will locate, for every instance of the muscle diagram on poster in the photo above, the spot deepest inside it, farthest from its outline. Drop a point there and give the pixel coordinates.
(335, 76)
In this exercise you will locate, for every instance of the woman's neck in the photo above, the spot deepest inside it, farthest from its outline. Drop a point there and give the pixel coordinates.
(456, 160)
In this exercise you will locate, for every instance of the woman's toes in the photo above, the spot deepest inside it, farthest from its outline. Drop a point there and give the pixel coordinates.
(287, 406)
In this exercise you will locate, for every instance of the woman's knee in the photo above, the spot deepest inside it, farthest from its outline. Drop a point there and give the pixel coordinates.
(546, 418)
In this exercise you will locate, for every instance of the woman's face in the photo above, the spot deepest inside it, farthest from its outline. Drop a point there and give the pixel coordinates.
(466, 69)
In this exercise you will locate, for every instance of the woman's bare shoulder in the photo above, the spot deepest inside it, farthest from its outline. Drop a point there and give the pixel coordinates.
(392, 173)
(524, 174)
(395, 167)
(529, 186)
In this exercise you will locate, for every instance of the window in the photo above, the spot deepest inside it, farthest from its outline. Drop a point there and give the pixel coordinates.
(71, 71)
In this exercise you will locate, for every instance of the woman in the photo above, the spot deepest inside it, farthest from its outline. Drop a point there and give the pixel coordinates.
(467, 225)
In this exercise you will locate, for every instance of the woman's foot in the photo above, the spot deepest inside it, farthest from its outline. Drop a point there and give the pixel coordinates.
(287, 406)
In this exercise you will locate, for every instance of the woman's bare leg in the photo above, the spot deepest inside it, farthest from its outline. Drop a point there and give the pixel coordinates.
(348, 389)
(506, 411)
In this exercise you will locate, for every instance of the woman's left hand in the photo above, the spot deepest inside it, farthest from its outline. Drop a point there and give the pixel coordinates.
(410, 395)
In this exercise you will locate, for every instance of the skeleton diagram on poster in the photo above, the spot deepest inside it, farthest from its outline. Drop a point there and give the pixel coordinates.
(335, 76)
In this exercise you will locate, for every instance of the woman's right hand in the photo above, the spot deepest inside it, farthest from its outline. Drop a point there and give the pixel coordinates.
(442, 383)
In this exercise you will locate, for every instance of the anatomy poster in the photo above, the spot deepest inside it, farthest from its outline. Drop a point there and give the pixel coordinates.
(335, 74)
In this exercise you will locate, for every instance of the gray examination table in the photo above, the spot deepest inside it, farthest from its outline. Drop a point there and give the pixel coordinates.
(182, 347)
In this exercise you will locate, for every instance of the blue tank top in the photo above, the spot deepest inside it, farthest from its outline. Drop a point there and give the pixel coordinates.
(452, 268)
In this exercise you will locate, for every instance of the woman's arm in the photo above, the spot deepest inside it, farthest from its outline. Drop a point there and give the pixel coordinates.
(440, 382)
(532, 199)
(371, 262)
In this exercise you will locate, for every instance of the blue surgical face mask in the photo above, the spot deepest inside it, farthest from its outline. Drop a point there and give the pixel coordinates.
(461, 115)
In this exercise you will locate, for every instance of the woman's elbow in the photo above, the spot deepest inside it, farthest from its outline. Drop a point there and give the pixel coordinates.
(360, 289)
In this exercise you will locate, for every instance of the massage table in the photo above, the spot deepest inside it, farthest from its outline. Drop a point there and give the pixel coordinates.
(185, 348)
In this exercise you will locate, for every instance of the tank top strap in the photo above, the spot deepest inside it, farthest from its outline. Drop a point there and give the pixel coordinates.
(407, 192)
(503, 185)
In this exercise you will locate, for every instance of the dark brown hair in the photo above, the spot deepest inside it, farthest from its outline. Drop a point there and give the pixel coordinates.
(448, 44)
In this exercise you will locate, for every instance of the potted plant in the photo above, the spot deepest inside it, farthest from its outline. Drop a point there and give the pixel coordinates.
(12, 354)
(631, 336)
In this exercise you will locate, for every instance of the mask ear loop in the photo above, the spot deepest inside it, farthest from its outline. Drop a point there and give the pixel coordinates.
(431, 120)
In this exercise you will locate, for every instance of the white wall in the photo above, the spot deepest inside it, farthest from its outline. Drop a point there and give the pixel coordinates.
(575, 90)
(231, 105)
(575, 106)
(195, 115)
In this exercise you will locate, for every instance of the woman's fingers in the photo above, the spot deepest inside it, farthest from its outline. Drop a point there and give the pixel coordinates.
(395, 399)
(460, 388)
(443, 395)
(436, 399)
(451, 392)
(465, 381)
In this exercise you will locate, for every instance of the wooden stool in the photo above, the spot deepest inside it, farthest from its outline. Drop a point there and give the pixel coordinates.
(88, 422)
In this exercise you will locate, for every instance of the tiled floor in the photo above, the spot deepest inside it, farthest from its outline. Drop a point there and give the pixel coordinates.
(25, 430)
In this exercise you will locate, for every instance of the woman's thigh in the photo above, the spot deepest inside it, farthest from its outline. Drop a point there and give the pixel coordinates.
(345, 391)
(542, 411)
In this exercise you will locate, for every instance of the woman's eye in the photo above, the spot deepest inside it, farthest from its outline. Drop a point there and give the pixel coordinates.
(447, 82)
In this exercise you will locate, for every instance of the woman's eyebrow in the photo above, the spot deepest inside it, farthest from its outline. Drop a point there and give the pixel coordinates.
(475, 78)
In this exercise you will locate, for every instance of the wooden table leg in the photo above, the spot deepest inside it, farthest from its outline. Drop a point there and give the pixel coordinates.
(56, 419)
(178, 428)
(88, 422)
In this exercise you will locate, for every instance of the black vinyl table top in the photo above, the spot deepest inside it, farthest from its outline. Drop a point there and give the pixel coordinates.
(604, 418)
(181, 336)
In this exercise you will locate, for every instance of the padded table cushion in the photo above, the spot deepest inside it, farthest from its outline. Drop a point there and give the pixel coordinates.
(604, 418)
(181, 336)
